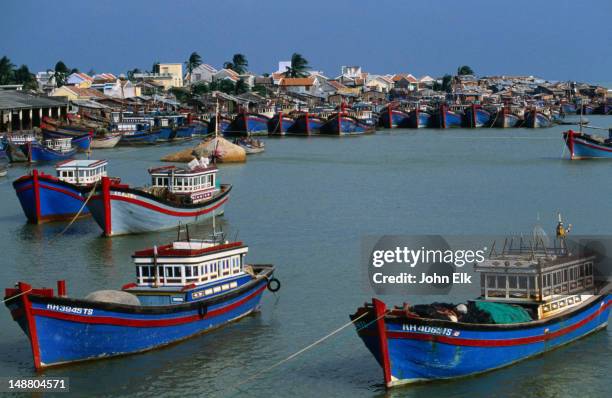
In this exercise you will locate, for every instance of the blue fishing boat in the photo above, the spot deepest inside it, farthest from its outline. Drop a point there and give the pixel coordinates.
(505, 119)
(585, 109)
(166, 133)
(392, 118)
(279, 124)
(306, 124)
(81, 140)
(183, 132)
(447, 118)
(342, 124)
(533, 300)
(418, 119)
(568, 108)
(51, 150)
(224, 123)
(247, 123)
(182, 289)
(603, 109)
(475, 116)
(588, 146)
(200, 127)
(534, 119)
(45, 198)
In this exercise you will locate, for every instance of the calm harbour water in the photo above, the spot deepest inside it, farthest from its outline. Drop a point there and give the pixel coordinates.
(304, 205)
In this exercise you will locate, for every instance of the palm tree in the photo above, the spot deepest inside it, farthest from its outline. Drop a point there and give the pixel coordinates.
(464, 70)
(6, 70)
(238, 64)
(25, 77)
(193, 62)
(299, 66)
(132, 72)
(60, 73)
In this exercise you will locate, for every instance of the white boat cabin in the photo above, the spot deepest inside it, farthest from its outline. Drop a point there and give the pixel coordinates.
(59, 144)
(550, 279)
(20, 138)
(198, 181)
(81, 172)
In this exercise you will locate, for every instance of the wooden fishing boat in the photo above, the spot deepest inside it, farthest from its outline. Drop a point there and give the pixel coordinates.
(45, 198)
(603, 109)
(224, 123)
(247, 123)
(506, 119)
(305, 124)
(136, 132)
(279, 124)
(447, 118)
(587, 146)
(568, 108)
(81, 140)
(250, 145)
(392, 118)
(475, 116)
(182, 289)
(105, 141)
(536, 119)
(417, 119)
(51, 150)
(343, 124)
(534, 300)
(176, 196)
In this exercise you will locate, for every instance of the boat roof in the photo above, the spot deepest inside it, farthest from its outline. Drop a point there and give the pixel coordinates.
(183, 170)
(522, 263)
(81, 163)
(190, 248)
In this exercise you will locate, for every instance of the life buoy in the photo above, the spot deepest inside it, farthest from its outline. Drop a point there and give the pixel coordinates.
(274, 285)
(202, 310)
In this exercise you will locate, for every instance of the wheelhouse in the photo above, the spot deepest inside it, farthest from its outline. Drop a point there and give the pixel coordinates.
(552, 279)
(81, 172)
(198, 181)
(59, 144)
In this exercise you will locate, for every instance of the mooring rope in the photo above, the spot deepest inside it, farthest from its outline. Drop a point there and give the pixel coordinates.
(308, 347)
(17, 295)
(93, 189)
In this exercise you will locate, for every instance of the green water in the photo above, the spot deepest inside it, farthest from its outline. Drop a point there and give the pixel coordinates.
(304, 205)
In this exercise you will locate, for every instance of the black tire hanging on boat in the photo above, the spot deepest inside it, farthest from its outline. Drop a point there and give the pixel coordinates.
(202, 310)
(274, 285)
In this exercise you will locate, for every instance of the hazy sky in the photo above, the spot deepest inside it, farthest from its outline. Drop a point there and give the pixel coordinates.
(553, 39)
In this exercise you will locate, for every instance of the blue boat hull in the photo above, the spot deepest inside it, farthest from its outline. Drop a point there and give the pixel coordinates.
(414, 350)
(392, 118)
(507, 120)
(344, 125)
(166, 134)
(224, 124)
(581, 147)
(245, 124)
(44, 198)
(305, 125)
(140, 138)
(447, 119)
(63, 330)
(480, 118)
(280, 126)
(39, 153)
(184, 132)
(568, 108)
(81, 142)
(417, 120)
(539, 121)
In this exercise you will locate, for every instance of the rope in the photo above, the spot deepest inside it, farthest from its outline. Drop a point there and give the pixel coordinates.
(93, 189)
(308, 347)
(17, 295)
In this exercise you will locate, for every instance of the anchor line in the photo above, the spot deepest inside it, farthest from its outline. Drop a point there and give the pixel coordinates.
(17, 295)
(93, 189)
(310, 346)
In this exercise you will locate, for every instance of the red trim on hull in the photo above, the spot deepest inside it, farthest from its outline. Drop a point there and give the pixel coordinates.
(36, 185)
(27, 307)
(162, 210)
(379, 311)
(108, 230)
(106, 320)
(497, 343)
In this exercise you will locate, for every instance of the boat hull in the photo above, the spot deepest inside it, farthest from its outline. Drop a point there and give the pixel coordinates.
(184, 133)
(345, 125)
(581, 147)
(36, 152)
(538, 121)
(279, 124)
(447, 119)
(63, 330)
(139, 138)
(120, 210)
(106, 142)
(507, 120)
(245, 124)
(392, 118)
(416, 350)
(305, 125)
(417, 120)
(477, 117)
(82, 142)
(44, 198)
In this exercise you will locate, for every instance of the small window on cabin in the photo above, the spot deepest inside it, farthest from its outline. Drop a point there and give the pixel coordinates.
(177, 272)
(555, 278)
(196, 271)
(187, 271)
(490, 281)
(169, 272)
(512, 282)
(581, 270)
(145, 271)
(533, 283)
(522, 282)
(137, 272)
(501, 282)
(565, 275)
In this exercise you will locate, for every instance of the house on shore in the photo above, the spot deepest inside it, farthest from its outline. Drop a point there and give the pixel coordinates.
(21, 111)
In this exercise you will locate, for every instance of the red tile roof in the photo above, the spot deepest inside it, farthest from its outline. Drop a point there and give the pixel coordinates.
(297, 81)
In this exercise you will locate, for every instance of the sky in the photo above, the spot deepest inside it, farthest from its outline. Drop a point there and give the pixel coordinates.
(555, 40)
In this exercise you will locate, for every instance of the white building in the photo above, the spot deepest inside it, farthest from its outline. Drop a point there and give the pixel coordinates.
(203, 73)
